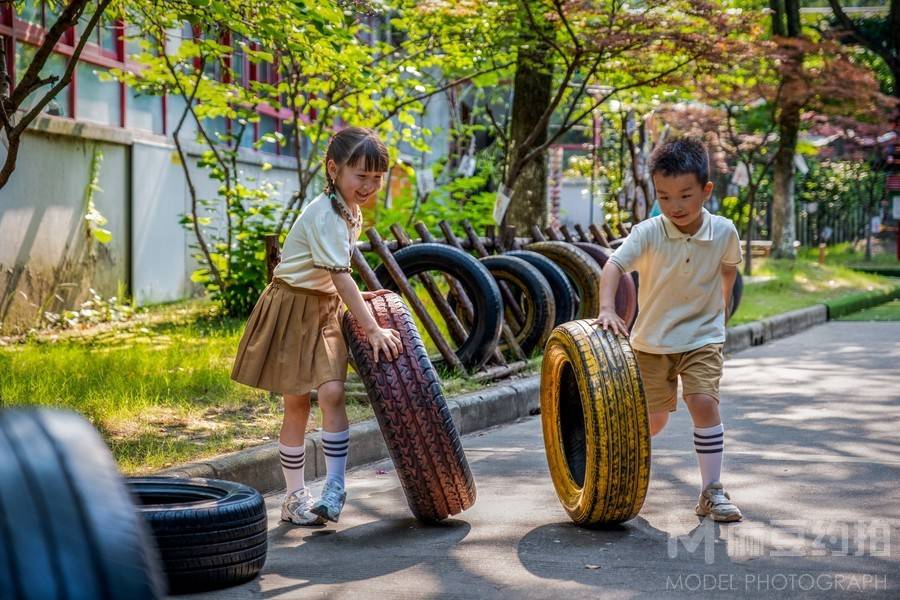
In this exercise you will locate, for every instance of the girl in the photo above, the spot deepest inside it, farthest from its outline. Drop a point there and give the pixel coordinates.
(293, 342)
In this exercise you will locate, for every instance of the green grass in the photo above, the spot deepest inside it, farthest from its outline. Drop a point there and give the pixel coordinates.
(157, 388)
(802, 283)
(889, 311)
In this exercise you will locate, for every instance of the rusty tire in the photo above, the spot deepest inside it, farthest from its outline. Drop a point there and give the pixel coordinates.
(595, 424)
(626, 293)
(414, 418)
(478, 283)
(581, 269)
(564, 296)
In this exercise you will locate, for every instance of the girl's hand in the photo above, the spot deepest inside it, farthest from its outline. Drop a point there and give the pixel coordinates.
(386, 342)
(369, 295)
(609, 319)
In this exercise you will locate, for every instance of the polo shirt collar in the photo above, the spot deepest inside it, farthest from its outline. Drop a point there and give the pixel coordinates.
(703, 234)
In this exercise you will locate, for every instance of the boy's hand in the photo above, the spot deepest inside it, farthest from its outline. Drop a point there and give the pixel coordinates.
(386, 342)
(609, 319)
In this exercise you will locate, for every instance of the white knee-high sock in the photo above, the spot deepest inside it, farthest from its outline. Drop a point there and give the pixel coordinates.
(293, 460)
(335, 445)
(709, 442)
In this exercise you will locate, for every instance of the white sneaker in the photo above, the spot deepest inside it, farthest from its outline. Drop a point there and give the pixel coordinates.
(715, 502)
(331, 503)
(295, 509)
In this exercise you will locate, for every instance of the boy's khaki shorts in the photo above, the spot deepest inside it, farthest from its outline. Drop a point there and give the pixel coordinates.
(700, 372)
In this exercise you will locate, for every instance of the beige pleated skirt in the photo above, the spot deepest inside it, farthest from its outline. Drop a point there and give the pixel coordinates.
(292, 342)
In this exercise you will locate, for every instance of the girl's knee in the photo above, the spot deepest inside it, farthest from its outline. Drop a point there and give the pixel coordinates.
(330, 393)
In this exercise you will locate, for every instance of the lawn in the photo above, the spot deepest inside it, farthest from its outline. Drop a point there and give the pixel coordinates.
(157, 388)
(889, 311)
(790, 285)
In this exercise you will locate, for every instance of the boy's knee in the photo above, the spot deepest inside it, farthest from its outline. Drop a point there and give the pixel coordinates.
(658, 421)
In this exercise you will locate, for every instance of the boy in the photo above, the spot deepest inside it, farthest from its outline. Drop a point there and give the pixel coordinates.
(687, 259)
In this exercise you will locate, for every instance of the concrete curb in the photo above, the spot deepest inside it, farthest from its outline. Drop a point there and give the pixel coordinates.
(259, 467)
(759, 332)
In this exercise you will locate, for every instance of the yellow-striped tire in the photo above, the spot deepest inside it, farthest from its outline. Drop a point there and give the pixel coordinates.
(595, 422)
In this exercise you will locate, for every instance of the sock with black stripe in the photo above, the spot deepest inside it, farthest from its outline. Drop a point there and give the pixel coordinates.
(335, 445)
(293, 459)
(709, 442)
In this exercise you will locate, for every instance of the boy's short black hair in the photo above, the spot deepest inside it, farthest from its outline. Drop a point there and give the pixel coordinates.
(681, 156)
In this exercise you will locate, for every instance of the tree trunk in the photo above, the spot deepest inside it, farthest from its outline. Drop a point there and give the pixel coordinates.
(748, 254)
(784, 229)
(533, 88)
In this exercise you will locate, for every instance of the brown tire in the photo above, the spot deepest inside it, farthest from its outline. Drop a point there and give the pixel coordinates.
(414, 418)
(582, 270)
(626, 293)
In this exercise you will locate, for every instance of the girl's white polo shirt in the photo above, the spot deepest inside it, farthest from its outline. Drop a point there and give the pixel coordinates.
(680, 300)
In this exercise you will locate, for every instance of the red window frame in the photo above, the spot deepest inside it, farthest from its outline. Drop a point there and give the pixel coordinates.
(16, 31)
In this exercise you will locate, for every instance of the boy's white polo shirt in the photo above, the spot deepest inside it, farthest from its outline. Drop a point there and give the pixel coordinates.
(680, 295)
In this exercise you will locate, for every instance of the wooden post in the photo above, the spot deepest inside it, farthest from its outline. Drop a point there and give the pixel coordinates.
(507, 333)
(508, 238)
(415, 303)
(508, 299)
(582, 236)
(822, 253)
(553, 234)
(623, 228)
(567, 234)
(599, 238)
(536, 234)
(610, 235)
(454, 326)
(365, 271)
(273, 254)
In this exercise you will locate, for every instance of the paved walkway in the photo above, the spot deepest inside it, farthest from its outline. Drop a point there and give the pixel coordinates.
(812, 458)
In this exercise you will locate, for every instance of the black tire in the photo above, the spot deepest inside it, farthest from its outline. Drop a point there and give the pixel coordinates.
(626, 293)
(535, 298)
(210, 533)
(478, 283)
(581, 269)
(68, 528)
(737, 293)
(564, 295)
(414, 418)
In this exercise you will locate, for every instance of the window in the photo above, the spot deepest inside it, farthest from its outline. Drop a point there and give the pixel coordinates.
(97, 101)
(287, 128)
(267, 124)
(55, 65)
(143, 111)
(32, 12)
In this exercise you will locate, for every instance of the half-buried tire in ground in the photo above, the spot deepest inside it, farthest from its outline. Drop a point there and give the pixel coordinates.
(414, 418)
(595, 424)
(210, 533)
(478, 283)
(626, 293)
(565, 298)
(582, 270)
(532, 291)
(68, 527)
